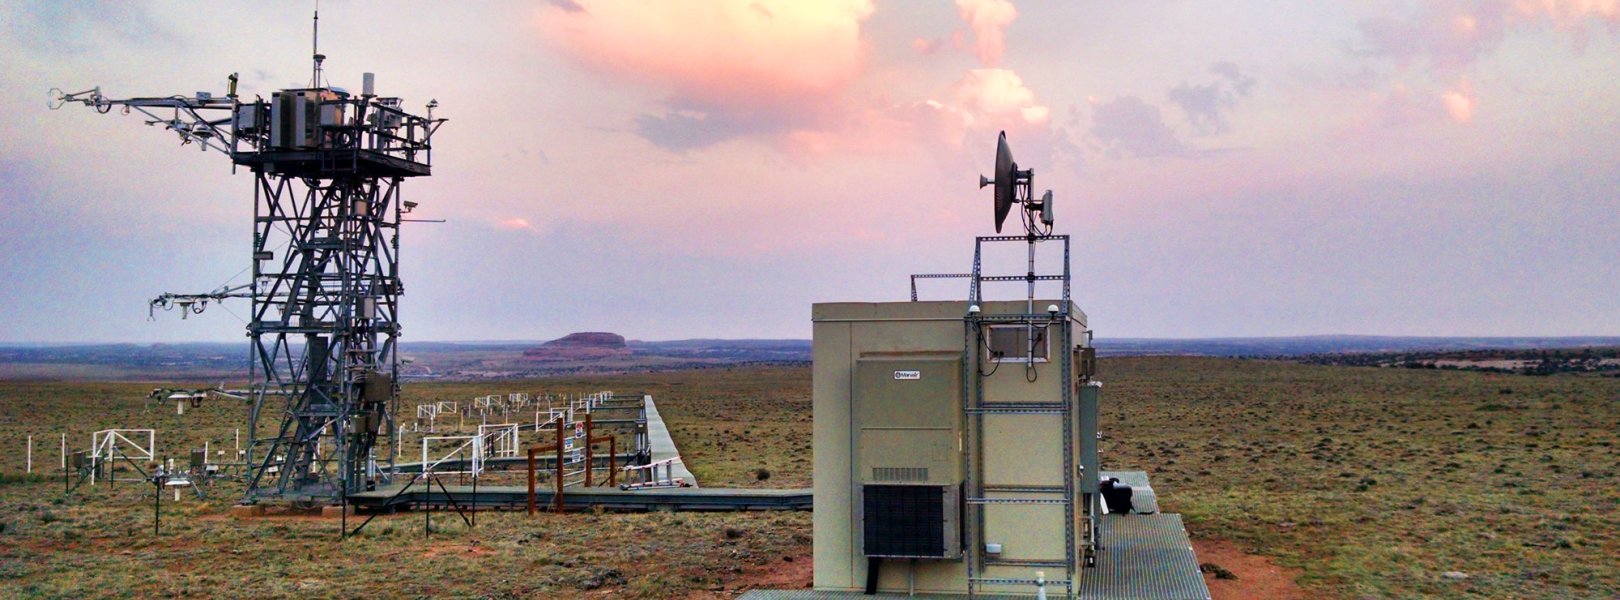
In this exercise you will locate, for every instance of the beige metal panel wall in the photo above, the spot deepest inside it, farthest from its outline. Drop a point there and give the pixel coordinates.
(1023, 450)
(833, 366)
(1026, 531)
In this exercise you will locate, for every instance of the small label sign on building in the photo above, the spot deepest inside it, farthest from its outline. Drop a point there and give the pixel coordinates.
(907, 375)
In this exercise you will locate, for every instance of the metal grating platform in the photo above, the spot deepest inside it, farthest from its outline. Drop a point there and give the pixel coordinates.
(815, 595)
(1144, 556)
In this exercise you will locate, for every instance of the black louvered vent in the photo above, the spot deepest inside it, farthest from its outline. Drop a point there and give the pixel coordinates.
(905, 520)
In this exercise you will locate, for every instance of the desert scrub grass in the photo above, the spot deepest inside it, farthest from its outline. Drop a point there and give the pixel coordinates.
(656, 585)
(23, 478)
(1376, 482)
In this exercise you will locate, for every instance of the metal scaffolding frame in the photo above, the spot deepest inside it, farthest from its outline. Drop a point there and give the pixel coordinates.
(976, 496)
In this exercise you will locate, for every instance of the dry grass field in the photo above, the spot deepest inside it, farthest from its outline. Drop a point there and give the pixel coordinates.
(1377, 482)
(1371, 483)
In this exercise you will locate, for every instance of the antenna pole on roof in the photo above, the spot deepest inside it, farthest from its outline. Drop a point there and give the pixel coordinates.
(315, 48)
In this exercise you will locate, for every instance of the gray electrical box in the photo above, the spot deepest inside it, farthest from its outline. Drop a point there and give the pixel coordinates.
(296, 117)
(248, 119)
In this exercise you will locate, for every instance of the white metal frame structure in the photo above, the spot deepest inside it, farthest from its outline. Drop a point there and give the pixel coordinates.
(500, 440)
(106, 450)
(472, 445)
(658, 474)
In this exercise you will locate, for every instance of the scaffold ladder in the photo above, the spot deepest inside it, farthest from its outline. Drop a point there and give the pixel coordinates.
(978, 495)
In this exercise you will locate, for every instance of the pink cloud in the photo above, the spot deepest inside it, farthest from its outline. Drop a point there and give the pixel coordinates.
(1571, 12)
(1459, 101)
(997, 98)
(989, 20)
(785, 72)
(515, 224)
(752, 56)
(950, 129)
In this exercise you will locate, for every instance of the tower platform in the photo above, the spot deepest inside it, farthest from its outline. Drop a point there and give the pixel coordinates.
(327, 163)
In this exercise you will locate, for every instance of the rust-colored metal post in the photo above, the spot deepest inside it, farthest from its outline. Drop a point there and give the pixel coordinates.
(613, 461)
(560, 471)
(589, 466)
(532, 450)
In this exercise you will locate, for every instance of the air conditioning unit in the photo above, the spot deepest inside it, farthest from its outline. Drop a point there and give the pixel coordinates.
(911, 521)
(909, 415)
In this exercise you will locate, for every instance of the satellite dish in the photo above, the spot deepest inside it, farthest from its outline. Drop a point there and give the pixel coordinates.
(1006, 174)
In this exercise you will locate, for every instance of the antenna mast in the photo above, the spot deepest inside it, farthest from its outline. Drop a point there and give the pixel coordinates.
(315, 48)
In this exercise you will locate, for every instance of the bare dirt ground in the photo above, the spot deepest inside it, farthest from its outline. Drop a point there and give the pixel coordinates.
(1244, 576)
(788, 573)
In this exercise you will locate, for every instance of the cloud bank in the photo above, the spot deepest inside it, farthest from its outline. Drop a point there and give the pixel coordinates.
(1446, 39)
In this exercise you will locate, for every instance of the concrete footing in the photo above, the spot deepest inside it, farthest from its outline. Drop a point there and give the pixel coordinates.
(247, 510)
(336, 511)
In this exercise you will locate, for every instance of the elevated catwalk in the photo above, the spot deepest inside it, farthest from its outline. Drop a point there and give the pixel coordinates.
(663, 446)
(517, 498)
(512, 463)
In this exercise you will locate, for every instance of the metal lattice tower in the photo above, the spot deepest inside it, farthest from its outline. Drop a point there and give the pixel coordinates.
(324, 325)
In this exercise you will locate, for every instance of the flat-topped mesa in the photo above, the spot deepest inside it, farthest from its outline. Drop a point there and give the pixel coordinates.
(587, 345)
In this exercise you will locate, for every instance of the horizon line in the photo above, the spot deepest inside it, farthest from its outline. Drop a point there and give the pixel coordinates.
(807, 339)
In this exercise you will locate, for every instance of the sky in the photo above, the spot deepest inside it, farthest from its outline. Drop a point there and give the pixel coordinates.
(671, 169)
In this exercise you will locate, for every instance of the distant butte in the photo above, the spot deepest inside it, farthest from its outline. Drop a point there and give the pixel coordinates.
(582, 346)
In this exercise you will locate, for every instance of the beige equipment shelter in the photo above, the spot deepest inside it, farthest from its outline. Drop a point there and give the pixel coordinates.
(952, 447)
